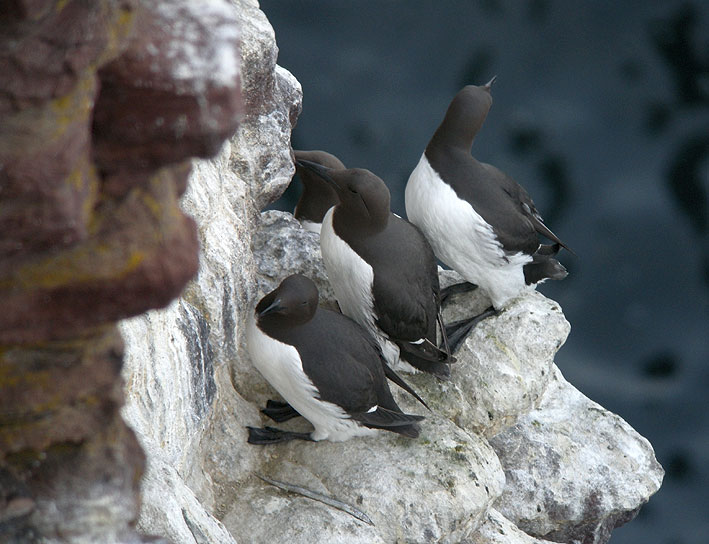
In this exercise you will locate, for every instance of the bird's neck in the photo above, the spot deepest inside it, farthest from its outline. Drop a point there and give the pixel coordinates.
(346, 222)
(454, 137)
(461, 124)
(316, 200)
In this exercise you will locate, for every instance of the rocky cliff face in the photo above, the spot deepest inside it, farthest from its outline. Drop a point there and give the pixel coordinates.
(511, 453)
(102, 104)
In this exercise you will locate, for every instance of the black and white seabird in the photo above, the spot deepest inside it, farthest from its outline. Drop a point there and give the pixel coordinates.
(479, 221)
(318, 196)
(328, 369)
(382, 270)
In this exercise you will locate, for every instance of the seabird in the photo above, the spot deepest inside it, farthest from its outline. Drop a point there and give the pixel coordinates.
(318, 196)
(479, 221)
(382, 270)
(327, 368)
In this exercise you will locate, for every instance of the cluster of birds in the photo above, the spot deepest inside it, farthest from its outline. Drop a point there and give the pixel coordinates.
(332, 368)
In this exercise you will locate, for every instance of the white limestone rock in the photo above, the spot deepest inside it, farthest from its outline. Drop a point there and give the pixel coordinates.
(177, 395)
(170, 509)
(436, 488)
(158, 383)
(258, 514)
(273, 100)
(460, 306)
(497, 529)
(574, 470)
(283, 247)
(503, 366)
(180, 399)
(507, 359)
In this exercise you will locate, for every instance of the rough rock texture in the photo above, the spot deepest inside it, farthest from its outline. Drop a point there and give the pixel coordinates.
(497, 529)
(191, 389)
(574, 470)
(282, 247)
(434, 489)
(503, 366)
(80, 250)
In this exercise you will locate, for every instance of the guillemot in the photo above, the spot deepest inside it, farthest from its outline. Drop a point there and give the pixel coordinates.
(382, 270)
(479, 221)
(318, 196)
(327, 368)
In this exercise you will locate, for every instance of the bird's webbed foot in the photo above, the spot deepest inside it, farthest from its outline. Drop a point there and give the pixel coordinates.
(270, 435)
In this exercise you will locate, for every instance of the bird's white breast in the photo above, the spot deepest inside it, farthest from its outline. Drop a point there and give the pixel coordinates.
(350, 275)
(282, 367)
(280, 364)
(460, 237)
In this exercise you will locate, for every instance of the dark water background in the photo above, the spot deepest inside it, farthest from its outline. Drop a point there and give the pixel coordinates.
(601, 110)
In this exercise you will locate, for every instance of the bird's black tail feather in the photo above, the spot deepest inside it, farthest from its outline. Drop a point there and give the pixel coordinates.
(544, 266)
(390, 420)
(422, 357)
(398, 380)
(545, 231)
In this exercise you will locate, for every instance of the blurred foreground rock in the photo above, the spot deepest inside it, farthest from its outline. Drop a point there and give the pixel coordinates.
(92, 232)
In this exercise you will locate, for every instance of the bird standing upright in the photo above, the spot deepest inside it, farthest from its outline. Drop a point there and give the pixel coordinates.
(479, 221)
(382, 270)
(325, 365)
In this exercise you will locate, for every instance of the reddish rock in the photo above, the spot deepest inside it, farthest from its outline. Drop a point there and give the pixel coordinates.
(60, 391)
(143, 252)
(118, 183)
(84, 492)
(175, 92)
(47, 183)
(46, 47)
(23, 10)
(92, 233)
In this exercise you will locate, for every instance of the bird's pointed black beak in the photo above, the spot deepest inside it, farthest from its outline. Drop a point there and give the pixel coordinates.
(488, 85)
(318, 169)
(275, 306)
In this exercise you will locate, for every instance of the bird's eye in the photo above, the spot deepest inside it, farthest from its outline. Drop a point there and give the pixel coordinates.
(353, 191)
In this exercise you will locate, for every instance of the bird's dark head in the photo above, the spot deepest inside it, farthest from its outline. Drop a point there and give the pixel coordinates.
(294, 302)
(465, 116)
(318, 195)
(364, 197)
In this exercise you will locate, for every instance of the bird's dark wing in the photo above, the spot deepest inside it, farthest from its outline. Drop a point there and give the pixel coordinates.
(542, 229)
(524, 205)
(405, 285)
(495, 196)
(399, 312)
(499, 202)
(342, 360)
(341, 379)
